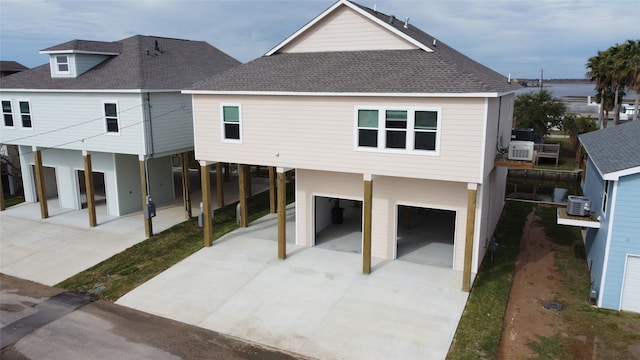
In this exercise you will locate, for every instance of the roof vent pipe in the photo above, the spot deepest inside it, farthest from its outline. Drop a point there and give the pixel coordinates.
(375, 8)
(391, 19)
(434, 42)
(406, 23)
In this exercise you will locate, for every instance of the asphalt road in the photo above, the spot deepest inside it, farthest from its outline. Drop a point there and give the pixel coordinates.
(41, 322)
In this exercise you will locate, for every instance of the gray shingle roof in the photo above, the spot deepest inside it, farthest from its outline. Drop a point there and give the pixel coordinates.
(11, 66)
(378, 71)
(88, 46)
(178, 64)
(615, 148)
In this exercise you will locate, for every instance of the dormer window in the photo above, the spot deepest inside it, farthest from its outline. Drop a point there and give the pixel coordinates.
(62, 61)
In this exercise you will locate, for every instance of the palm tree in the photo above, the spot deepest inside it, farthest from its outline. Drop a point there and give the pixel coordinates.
(631, 50)
(599, 73)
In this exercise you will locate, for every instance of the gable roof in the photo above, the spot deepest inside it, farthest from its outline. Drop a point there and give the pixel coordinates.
(432, 68)
(11, 66)
(85, 46)
(138, 66)
(615, 151)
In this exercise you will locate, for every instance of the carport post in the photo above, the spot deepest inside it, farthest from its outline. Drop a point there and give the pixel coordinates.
(205, 180)
(40, 186)
(472, 190)
(242, 184)
(186, 185)
(90, 191)
(282, 214)
(366, 224)
(220, 184)
(148, 222)
(272, 189)
(2, 207)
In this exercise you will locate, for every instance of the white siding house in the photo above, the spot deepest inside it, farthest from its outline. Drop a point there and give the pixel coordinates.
(116, 105)
(378, 114)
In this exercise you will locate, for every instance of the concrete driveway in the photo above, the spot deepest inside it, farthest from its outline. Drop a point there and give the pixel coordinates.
(316, 302)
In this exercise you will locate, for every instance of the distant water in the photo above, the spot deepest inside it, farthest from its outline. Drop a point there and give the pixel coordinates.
(562, 90)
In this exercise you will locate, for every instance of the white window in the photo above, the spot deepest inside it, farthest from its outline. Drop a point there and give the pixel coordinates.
(25, 114)
(414, 130)
(7, 113)
(231, 123)
(605, 197)
(62, 63)
(111, 117)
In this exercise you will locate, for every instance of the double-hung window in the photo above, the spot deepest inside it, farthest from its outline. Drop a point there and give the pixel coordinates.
(25, 114)
(7, 113)
(231, 123)
(410, 130)
(62, 62)
(111, 117)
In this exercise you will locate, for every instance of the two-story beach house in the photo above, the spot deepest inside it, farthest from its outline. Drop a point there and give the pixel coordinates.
(612, 184)
(384, 125)
(102, 119)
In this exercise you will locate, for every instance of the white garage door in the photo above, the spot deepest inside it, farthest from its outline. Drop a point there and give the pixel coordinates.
(631, 285)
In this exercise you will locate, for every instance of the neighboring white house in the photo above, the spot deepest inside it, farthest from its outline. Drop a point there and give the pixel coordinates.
(377, 118)
(110, 109)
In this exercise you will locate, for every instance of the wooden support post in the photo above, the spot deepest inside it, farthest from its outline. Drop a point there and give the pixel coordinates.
(206, 204)
(282, 216)
(272, 189)
(148, 222)
(186, 185)
(242, 185)
(220, 184)
(227, 170)
(40, 186)
(366, 225)
(90, 191)
(472, 190)
(247, 182)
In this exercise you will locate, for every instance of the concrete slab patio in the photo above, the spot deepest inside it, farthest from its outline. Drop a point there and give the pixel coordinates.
(316, 302)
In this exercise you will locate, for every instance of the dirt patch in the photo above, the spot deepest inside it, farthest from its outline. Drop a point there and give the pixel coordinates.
(535, 281)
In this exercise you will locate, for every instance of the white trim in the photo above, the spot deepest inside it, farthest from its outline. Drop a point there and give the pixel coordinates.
(410, 130)
(13, 118)
(28, 101)
(616, 175)
(125, 91)
(360, 11)
(624, 276)
(55, 52)
(344, 94)
(222, 123)
(604, 205)
(483, 151)
(193, 126)
(104, 117)
(613, 199)
(475, 252)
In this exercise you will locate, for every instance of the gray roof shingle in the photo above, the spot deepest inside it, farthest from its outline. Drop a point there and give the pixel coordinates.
(178, 64)
(614, 148)
(377, 71)
(11, 66)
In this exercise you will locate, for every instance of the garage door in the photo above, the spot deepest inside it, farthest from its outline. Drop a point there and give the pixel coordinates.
(631, 285)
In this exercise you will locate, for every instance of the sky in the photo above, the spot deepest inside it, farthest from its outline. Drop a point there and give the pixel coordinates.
(516, 37)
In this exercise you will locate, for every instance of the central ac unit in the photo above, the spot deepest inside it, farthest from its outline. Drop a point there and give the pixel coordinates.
(521, 150)
(578, 205)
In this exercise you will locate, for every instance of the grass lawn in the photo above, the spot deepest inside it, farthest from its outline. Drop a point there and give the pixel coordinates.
(567, 156)
(127, 270)
(13, 200)
(480, 327)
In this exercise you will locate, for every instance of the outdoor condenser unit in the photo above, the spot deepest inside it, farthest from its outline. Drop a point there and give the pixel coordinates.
(520, 150)
(578, 205)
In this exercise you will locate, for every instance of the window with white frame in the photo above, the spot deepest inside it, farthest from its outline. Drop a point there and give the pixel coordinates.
(398, 129)
(605, 197)
(7, 113)
(111, 117)
(231, 123)
(62, 62)
(25, 114)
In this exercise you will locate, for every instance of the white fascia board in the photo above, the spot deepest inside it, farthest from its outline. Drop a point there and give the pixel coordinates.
(618, 174)
(359, 11)
(128, 91)
(340, 94)
(78, 52)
